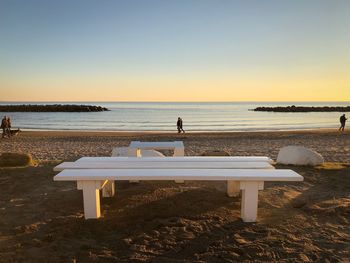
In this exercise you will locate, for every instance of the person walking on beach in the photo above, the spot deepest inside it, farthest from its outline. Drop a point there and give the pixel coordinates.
(342, 122)
(8, 128)
(179, 125)
(4, 127)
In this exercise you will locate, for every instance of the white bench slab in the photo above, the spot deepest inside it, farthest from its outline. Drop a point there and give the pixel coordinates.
(181, 174)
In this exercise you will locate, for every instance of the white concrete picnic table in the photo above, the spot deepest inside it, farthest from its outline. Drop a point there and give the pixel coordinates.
(93, 173)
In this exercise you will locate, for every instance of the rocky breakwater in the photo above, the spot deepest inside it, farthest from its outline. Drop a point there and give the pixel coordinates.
(51, 108)
(294, 108)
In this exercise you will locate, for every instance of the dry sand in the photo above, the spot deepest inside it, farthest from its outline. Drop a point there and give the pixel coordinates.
(47, 146)
(42, 220)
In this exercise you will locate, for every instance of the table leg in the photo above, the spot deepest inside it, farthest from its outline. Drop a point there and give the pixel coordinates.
(249, 202)
(134, 152)
(179, 151)
(233, 188)
(91, 197)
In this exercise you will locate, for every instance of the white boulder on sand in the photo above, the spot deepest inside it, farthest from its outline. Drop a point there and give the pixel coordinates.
(299, 155)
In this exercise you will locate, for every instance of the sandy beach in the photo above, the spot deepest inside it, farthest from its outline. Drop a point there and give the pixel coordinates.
(42, 220)
(68, 145)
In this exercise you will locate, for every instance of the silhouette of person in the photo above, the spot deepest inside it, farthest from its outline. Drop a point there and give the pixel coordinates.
(8, 128)
(179, 125)
(342, 120)
(4, 126)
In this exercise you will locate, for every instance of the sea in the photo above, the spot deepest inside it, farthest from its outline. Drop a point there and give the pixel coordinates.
(162, 116)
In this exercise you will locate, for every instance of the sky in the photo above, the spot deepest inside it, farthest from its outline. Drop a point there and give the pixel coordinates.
(199, 50)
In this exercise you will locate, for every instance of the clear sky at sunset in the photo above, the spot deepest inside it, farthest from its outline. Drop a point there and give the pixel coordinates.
(163, 50)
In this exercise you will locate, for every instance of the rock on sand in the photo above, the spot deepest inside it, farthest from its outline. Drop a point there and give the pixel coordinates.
(298, 155)
(15, 160)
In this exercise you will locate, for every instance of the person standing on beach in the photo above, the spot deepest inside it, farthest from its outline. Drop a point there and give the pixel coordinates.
(4, 126)
(179, 125)
(342, 122)
(8, 128)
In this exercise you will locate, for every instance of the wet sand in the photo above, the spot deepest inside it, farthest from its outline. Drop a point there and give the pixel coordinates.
(42, 220)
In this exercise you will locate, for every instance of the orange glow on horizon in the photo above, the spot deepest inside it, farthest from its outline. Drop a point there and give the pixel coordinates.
(175, 88)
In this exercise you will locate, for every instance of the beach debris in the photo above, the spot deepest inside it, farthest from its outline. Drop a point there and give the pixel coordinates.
(16, 160)
(299, 155)
(215, 153)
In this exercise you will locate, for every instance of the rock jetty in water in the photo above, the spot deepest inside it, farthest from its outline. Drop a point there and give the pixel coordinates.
(294, 108)
(51, 108)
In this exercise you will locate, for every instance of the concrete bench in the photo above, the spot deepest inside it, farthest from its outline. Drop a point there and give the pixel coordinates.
(93, 175)
(177, 146)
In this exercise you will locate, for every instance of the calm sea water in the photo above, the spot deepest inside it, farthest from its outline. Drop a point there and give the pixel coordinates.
(162, 116)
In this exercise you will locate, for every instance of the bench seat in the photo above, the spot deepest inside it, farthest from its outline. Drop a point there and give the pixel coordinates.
(178, 174)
